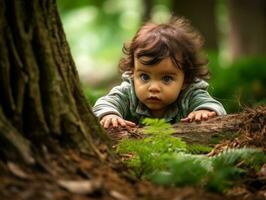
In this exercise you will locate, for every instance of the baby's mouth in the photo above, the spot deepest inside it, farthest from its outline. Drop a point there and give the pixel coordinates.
(153, 99)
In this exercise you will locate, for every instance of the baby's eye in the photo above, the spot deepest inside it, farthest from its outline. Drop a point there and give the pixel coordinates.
(144, 77)
(167, 79)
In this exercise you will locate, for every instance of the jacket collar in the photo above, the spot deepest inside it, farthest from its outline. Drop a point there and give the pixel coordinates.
(169, 116)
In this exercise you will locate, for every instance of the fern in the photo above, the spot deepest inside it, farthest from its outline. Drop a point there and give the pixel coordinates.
(226, 166)
(148, 153)
(232, 156)
(167, 160)
(183, 169)
(215, 174)
(157, 127)
(198, 149)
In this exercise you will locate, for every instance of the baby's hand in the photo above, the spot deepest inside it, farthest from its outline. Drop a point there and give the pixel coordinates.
(199, 115)
(115, 121)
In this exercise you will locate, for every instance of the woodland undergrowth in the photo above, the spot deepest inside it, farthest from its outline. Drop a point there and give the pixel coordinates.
(167, 160)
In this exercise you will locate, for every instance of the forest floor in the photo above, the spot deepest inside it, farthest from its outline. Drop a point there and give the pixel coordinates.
(68, 174)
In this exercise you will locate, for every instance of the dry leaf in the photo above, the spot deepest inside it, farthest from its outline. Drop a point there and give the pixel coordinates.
(16, 170)
(118, 195)
(81, 186)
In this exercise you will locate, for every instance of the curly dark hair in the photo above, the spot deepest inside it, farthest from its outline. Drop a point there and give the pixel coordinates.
(176, 39)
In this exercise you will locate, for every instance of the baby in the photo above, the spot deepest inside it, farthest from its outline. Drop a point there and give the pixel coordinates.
(164, 76)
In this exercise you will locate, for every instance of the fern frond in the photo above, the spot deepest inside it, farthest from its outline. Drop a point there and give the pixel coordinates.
(198, 149)
(168, 160)
(157, 127)
(232, 156)
(184, 169)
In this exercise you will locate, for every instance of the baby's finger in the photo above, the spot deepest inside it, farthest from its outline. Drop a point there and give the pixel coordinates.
(129, 123)
(114, 122)
(107, 123)
(189, 118)
(121, 122)
(102, 122)
(205, 116)
(198, 117)
(185, 119)
(212, 114)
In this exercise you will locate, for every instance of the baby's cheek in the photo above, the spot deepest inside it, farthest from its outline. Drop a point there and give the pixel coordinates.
(171, 97)
(141, 93)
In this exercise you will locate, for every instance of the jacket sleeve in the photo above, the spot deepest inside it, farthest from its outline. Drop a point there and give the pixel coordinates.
(201, 99)
(115, 102)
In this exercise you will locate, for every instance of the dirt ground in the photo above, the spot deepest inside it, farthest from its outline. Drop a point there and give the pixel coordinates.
(69, 174)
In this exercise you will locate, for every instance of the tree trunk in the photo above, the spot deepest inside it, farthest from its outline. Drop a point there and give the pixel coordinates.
(210, 132)
(247, 28)
(202, 16)
(40, 94)
(148, 5)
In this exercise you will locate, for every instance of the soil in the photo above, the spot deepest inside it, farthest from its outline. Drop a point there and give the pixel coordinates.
(66, 173)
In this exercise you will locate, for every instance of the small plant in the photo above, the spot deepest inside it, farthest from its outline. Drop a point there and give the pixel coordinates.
(216, 173)
(198, 149)
(167, 160)
(149, 152)
(157, 127)
(183, 169)
(230, 165)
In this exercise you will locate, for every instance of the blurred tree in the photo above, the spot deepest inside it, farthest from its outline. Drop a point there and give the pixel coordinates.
(247, 28)
(202, 16)
(40, 97)
(147, 12)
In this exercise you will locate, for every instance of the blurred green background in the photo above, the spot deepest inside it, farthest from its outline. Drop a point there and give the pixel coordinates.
(234, 32)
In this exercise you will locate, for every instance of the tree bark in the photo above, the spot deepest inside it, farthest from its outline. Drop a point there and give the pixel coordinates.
(40, 94)
(204, 132)
(207, 132)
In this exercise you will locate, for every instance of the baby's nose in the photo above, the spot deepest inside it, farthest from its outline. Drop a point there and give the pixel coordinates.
(154, 87)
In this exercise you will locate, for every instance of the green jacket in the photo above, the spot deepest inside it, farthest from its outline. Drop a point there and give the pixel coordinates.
(122, 101)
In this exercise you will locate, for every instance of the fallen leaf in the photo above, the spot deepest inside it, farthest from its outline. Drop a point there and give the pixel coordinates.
(81, 186)
(118, 195)
(16, 170)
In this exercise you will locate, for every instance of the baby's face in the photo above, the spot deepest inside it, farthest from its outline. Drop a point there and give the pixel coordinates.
(157, 86)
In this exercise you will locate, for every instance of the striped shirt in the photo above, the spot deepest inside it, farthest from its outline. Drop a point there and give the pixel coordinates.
(122, 101)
